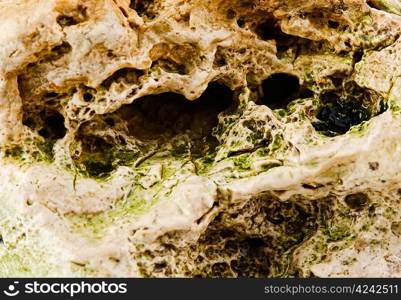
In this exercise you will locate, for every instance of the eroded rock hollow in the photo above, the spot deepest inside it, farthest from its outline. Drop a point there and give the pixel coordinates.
(199, 138)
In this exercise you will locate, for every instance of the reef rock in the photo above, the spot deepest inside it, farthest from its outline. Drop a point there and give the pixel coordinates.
(178, 138)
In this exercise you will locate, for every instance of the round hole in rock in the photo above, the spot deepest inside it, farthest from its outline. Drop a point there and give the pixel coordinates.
(241, 22)
(270, 30)
(110, 122)
(142, 7)
(54, 127)
(279, 90)
(230, 13)
(356, 201)
(333, 24)
(87, 97)
(267, 30)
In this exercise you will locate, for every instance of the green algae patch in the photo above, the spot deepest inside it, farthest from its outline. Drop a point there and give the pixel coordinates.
(152, 181)
(14, 265)
(336, 233)
(100, 162)
(25, 256)
(33, 150)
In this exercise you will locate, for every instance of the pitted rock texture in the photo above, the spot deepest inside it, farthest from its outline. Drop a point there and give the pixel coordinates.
(199, 138)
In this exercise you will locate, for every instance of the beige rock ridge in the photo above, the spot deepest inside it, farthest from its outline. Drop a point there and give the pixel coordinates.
(170, 138)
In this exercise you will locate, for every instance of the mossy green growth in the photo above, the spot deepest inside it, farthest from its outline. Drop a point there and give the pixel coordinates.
(100, 165)
(280, 113)
(95, 227)
(46, 152)
(138, 198)
(205, 163)
(97, 165)
(336, 233)
(33, 150)
(275, 145)
(179, 151)
(124, 157)
(270, 165)
(360, 129)
(395, 106)
(14, 265)
(16, 153)
(396, 228)
(242, 162)
(23, 261)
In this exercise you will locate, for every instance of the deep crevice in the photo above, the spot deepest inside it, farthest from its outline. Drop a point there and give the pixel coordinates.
(98, 160)
(164, 119)
(373, 4)
(357, 56)
(123, 11)
(49, 125)
(271, 30)
(170, 113)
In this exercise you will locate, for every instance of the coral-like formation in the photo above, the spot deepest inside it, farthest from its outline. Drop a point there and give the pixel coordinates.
(187, 138)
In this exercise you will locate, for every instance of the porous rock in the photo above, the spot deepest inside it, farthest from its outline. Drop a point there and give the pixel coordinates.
(174, 138)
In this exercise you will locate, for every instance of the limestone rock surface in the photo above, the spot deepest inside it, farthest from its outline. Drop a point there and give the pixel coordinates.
(211, 138)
